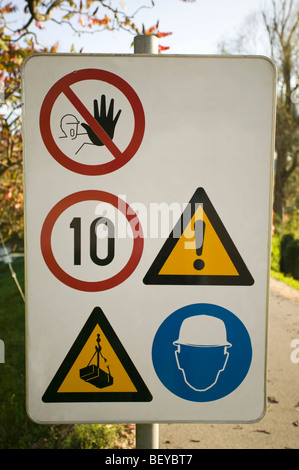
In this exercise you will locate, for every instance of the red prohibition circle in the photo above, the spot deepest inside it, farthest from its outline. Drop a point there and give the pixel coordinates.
(63, 86)
(46, 246)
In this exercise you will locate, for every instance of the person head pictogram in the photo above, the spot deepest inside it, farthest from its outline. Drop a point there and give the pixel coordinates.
(69, 126)
(201, 352)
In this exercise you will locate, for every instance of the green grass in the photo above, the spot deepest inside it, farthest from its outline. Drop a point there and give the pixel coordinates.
(17, 431)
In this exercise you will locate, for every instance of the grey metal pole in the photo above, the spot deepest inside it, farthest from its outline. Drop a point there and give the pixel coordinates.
(147, 435)
(146, 44)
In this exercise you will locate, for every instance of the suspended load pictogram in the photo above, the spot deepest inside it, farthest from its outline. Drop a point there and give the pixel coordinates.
(94, 374)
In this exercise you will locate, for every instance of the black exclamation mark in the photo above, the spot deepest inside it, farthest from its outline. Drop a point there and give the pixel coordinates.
(199, 230)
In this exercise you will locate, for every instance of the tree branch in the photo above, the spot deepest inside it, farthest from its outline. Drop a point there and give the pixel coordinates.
(36, 15)
(33, 4)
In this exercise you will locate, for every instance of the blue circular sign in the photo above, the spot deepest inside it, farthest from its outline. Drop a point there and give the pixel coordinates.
(202, 352)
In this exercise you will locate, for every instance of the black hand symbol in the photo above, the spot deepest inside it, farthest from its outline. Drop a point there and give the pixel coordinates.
(106, 121)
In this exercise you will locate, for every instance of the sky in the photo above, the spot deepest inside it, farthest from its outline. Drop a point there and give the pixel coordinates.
(197, 27)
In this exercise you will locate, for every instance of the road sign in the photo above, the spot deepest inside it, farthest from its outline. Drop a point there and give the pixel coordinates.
(92, 196)
(181, 259)
(204, 367)
(100, 135)
(97, 368)
(148, 190)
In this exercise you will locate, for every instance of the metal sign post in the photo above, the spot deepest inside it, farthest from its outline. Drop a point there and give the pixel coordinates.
(147, 434)
(146, 44)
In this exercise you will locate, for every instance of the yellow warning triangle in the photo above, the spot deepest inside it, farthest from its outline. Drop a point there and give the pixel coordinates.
(97, 368)
(109, 364)
(205, 256)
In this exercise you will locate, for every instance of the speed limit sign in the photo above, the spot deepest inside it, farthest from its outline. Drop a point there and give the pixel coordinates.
(100, 247)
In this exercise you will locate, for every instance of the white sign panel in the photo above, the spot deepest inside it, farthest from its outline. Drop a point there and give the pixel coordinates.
(148, 186)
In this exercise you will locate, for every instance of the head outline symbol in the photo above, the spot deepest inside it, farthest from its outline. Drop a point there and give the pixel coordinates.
(69, 126)
(201, 352)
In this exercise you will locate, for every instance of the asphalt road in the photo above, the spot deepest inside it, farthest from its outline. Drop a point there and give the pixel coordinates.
(279, 428)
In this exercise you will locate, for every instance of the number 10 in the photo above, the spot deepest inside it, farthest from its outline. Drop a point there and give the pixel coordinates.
(93, 241)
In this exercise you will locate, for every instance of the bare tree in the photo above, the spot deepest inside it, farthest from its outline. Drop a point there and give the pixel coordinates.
(282, 25)
(276, 26)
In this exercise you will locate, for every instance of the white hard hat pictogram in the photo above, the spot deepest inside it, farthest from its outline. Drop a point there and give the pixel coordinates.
(202, 331)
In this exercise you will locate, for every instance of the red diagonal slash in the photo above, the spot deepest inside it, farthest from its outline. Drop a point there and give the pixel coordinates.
(92, 122)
